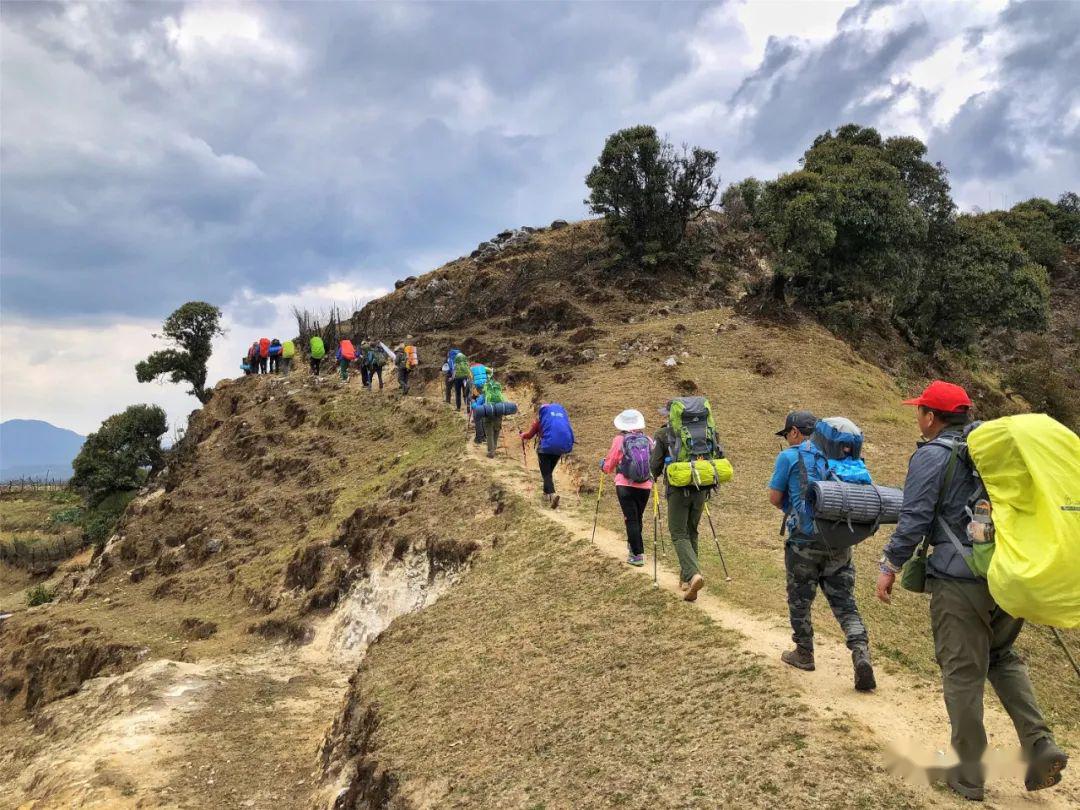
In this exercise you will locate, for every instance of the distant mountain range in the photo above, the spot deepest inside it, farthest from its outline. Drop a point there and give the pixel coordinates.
(30, 448)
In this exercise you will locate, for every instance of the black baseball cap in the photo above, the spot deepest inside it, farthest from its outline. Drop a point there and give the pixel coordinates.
(803, 420)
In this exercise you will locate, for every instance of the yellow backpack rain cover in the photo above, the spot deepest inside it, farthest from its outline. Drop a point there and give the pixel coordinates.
(1030, 466)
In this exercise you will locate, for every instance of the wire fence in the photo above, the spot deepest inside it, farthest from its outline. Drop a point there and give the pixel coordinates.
(44, 483)
(38, 554)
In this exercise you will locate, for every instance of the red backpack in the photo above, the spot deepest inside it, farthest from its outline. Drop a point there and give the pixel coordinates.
(264, 347)
(347, 350)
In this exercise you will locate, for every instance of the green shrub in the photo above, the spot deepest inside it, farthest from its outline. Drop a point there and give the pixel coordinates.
(100, 521)
(66, 516)
(115, 457)
(39, 595)
(648, 193)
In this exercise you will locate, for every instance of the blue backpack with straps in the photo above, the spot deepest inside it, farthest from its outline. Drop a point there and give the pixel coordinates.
(833, 453)
(556, 434)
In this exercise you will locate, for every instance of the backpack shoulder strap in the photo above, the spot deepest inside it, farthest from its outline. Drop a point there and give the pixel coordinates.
(954, 445)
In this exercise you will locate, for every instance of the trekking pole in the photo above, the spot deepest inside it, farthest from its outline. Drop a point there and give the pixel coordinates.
(596, 515)
(727, 576)
(655, 534)
(1068, 653)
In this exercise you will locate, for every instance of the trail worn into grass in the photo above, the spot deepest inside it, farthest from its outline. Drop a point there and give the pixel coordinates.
(908, 720)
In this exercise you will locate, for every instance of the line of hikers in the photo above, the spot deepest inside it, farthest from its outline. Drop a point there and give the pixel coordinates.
(272, 356)
(822, 485)
(943, 542)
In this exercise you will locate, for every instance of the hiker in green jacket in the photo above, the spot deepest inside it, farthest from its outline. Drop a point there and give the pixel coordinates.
(686, 503)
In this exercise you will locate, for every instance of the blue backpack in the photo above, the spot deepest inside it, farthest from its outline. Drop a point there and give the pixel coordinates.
(833, 453)
(556, 434)
(450, 358)
(479, 375)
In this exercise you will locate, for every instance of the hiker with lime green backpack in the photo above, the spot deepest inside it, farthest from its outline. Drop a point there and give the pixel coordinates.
(986, 528)
(288, 352)
(317, 351)
(688, 455)
(488, 410)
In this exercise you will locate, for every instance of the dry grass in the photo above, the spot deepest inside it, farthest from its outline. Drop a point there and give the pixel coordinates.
(550, 678)
(811, 370)
(754, 373)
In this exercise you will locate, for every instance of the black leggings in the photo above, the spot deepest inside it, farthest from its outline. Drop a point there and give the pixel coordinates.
(547, 469)
(634, 501)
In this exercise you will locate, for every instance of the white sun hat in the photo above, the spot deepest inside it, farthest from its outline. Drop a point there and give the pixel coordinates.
(630, 420)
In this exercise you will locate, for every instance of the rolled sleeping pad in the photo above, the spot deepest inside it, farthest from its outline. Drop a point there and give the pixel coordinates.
(840, 502)
(498, 409)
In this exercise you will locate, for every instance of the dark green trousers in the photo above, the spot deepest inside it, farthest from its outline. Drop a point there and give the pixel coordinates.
(685, 506)
(973, 642)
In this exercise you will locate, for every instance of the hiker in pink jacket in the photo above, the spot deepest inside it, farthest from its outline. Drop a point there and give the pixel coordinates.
(628, 459)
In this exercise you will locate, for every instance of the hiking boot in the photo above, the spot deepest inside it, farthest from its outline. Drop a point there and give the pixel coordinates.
(491, 454)
(864, 671)
(1047, 763)
(636, 559)
(800, 658)
(696, 583)
(964, 782)
(554, 501)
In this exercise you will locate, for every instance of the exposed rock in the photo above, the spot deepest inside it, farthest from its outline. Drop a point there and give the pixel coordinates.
(197, 629)
(671, 362)
(559, 224)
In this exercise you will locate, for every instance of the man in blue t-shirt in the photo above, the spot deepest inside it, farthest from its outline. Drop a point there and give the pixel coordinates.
(810, 564)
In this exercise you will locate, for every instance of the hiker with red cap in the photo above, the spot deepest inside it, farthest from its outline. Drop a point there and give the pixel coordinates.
(973, 636)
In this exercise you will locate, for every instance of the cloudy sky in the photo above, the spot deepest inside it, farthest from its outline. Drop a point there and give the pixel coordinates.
(260, 155)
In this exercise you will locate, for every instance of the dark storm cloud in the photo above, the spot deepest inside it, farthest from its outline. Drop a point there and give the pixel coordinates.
(350, 141)
(801, 89)
(1008, 132)
(147, 161)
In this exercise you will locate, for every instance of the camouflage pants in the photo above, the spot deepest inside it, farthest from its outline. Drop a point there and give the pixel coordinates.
(807, 568)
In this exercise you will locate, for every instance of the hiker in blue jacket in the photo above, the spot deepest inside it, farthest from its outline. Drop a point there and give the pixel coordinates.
(810, 564)
(552, 425)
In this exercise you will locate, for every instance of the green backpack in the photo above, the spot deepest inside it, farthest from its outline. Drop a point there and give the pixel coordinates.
(461, 367)
(318, 350)
(493, 393)
(697, 456)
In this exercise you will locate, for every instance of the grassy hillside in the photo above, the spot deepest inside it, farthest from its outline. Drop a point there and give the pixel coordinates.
(550, 677)
(196, 659)
(610, 356)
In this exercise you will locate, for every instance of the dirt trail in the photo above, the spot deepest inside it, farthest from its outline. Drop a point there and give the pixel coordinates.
(907, 718)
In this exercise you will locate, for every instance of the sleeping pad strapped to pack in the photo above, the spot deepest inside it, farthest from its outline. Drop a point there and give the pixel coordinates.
(494, 409)
(838, 504)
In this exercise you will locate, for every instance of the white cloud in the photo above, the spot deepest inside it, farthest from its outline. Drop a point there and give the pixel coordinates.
(76, 375)
(207, 33)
